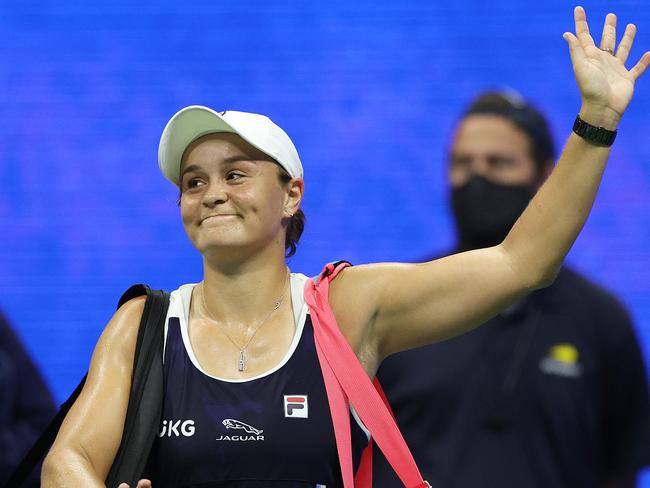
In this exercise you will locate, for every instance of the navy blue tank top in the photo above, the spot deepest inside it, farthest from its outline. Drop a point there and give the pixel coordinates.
(274, 430)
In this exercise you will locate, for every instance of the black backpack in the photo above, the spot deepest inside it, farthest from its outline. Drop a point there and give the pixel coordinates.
(145, 400)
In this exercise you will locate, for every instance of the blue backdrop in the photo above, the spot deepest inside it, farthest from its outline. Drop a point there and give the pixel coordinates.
(368, 90)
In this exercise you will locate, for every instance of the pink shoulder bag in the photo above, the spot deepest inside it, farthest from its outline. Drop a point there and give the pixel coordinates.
(347, 382)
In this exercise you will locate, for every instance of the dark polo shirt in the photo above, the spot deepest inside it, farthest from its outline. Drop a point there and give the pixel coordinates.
(551, 393)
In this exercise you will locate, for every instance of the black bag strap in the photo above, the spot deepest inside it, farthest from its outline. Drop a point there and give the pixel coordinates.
(145, 400)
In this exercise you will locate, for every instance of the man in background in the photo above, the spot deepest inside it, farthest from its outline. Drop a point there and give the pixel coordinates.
(26, 406)
(551, 393)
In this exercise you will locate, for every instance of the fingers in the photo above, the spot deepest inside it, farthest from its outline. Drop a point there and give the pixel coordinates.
(624, 47)
(582, 29)
(141, 484)
(608, 39)
(641, 66)
(575, 48)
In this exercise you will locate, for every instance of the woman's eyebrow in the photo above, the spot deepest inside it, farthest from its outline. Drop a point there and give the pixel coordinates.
(238, 158)
(191, 167)
(230, 160)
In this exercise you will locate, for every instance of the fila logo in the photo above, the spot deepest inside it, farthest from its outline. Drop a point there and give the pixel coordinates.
(296, 406)
(172, 427)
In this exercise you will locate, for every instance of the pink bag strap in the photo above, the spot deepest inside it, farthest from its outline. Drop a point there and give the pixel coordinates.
(363, 478)
(346, 381)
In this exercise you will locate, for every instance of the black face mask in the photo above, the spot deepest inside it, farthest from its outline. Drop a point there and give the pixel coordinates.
(485, 211)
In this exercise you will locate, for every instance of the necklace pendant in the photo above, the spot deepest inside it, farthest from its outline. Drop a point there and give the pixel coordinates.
(241, 362)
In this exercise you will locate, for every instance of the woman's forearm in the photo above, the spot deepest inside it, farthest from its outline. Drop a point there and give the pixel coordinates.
(543, 235)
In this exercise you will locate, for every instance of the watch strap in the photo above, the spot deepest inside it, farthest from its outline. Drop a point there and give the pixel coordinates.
(598, 136)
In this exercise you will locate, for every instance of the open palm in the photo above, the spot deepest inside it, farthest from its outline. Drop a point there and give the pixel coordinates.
(602, 77)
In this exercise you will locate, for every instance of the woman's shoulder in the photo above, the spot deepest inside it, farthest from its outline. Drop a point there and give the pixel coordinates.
(122, 329)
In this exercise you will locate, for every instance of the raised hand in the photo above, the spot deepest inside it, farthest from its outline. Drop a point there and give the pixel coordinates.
(605, 84)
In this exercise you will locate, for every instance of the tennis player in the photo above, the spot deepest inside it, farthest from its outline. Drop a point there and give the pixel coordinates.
(239, 354)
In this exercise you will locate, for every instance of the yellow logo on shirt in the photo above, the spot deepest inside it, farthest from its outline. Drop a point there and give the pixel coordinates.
(565, 353)
(562, 360)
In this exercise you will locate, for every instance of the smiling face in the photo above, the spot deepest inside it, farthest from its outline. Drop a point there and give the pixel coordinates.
(493, 147)
(232, 201)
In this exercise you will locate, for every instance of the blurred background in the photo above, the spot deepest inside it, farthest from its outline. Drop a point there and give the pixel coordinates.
(368, 90)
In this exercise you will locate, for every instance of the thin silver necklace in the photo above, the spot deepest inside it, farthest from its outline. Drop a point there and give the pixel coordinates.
(241, 363)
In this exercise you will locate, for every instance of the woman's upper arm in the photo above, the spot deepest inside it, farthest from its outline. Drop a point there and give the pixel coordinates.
(93, 426)
(398, 306)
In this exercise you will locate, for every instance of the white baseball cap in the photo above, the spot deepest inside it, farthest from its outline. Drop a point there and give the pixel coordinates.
(190, 123)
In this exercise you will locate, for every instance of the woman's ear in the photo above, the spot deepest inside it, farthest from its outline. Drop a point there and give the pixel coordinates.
(295, 189)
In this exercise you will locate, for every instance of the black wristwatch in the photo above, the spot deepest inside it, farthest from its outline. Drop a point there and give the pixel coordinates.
(596, 135)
